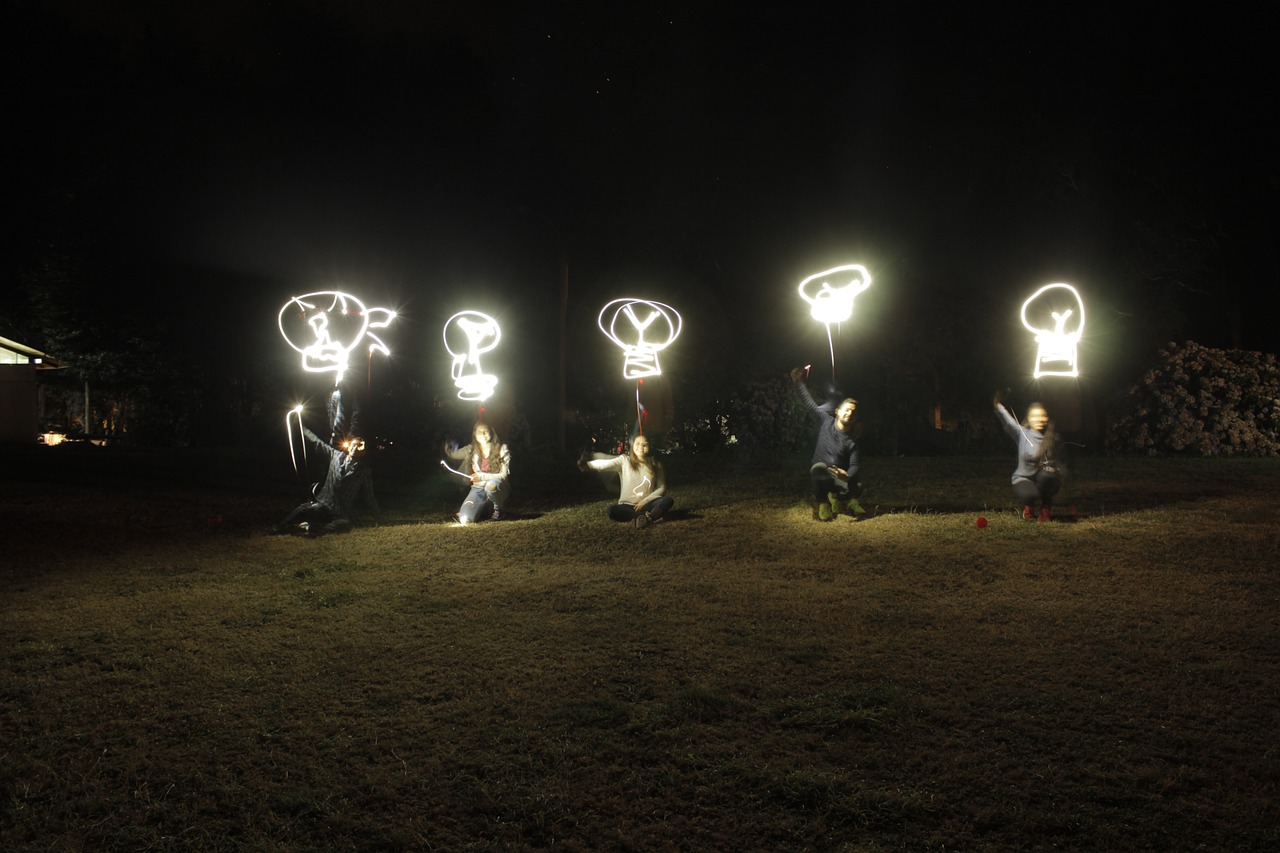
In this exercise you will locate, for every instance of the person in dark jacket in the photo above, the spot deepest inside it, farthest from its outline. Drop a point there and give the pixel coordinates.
(347, 486)
(833, 472)
(1038, 476)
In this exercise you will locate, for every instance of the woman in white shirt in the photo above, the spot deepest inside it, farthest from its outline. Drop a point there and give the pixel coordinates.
(643, 498)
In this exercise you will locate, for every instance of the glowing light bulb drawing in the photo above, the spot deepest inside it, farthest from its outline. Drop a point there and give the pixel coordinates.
(642, 329)
(326, 326)
(1056, 347)
(834, 304)
(467, 334)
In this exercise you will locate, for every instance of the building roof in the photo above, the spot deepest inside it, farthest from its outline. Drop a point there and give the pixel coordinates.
(35, 356)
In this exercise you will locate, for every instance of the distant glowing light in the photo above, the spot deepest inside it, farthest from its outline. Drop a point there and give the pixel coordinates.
(467, 334)
(53, 438)
(326, 326)
(642, 329)
(834, 304)
(1056, 347)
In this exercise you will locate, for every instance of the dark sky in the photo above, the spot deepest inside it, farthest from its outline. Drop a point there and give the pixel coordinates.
(713, 153)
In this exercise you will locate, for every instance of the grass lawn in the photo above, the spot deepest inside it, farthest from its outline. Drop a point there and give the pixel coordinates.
(737, 677)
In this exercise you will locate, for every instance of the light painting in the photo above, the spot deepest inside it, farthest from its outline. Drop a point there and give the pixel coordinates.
(295, 414)
(833, 303)
(1055, 314)
(642, 329)
(467, 335)
(326, 326)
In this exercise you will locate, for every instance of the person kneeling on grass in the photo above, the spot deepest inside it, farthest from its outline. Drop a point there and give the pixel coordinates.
(1038, 476)
(642, 499)
(348, 484)
(487, 462)
(833, 472)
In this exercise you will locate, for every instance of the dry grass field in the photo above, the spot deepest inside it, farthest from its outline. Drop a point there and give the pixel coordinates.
(738, 677)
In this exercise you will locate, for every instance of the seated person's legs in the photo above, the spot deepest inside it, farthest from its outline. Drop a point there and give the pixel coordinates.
(622, 512)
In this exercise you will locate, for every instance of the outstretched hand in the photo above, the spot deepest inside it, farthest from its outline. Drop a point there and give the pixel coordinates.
(998, 399)
(797, 373)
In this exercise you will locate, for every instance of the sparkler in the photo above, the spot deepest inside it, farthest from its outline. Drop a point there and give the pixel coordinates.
(828, 304)
(1056, 348)
(472, 333)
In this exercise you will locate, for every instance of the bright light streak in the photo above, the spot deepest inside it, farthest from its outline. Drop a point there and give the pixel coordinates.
(1056, 353)
(295, 412)
(646, 486)
(472, 333)
(326, 326)
(445, 466)
(640, 354)
(830, 304)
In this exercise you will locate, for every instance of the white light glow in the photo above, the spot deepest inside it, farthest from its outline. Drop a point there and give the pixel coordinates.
(646, 329)
(467, 334)
(834, 304)
(1056, 347)
(326, 326)
(451, 470)
(295, 412)
(646, 486)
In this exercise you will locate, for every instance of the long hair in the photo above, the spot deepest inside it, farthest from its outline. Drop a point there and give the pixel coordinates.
(494, 443)
(636, 463)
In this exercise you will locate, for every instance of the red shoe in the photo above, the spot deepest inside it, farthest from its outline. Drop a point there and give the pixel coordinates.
(1044, 514)
(1027, 512)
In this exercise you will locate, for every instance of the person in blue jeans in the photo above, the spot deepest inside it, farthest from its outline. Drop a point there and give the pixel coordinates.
(642, 497)
(487, 462)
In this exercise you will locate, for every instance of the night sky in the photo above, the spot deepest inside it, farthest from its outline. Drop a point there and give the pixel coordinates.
(707, 154)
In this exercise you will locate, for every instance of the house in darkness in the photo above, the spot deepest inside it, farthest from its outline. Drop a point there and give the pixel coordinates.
(22, 392)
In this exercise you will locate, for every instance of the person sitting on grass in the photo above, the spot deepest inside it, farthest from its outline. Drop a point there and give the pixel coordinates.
(1038, 476)
(487, 461)
(833, 471)
(642, 499)
(348, 484)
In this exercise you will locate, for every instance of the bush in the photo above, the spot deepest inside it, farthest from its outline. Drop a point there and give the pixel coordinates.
(769, 414)
(1202, 401)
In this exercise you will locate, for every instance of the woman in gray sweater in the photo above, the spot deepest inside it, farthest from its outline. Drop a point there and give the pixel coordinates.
(1037, 478)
